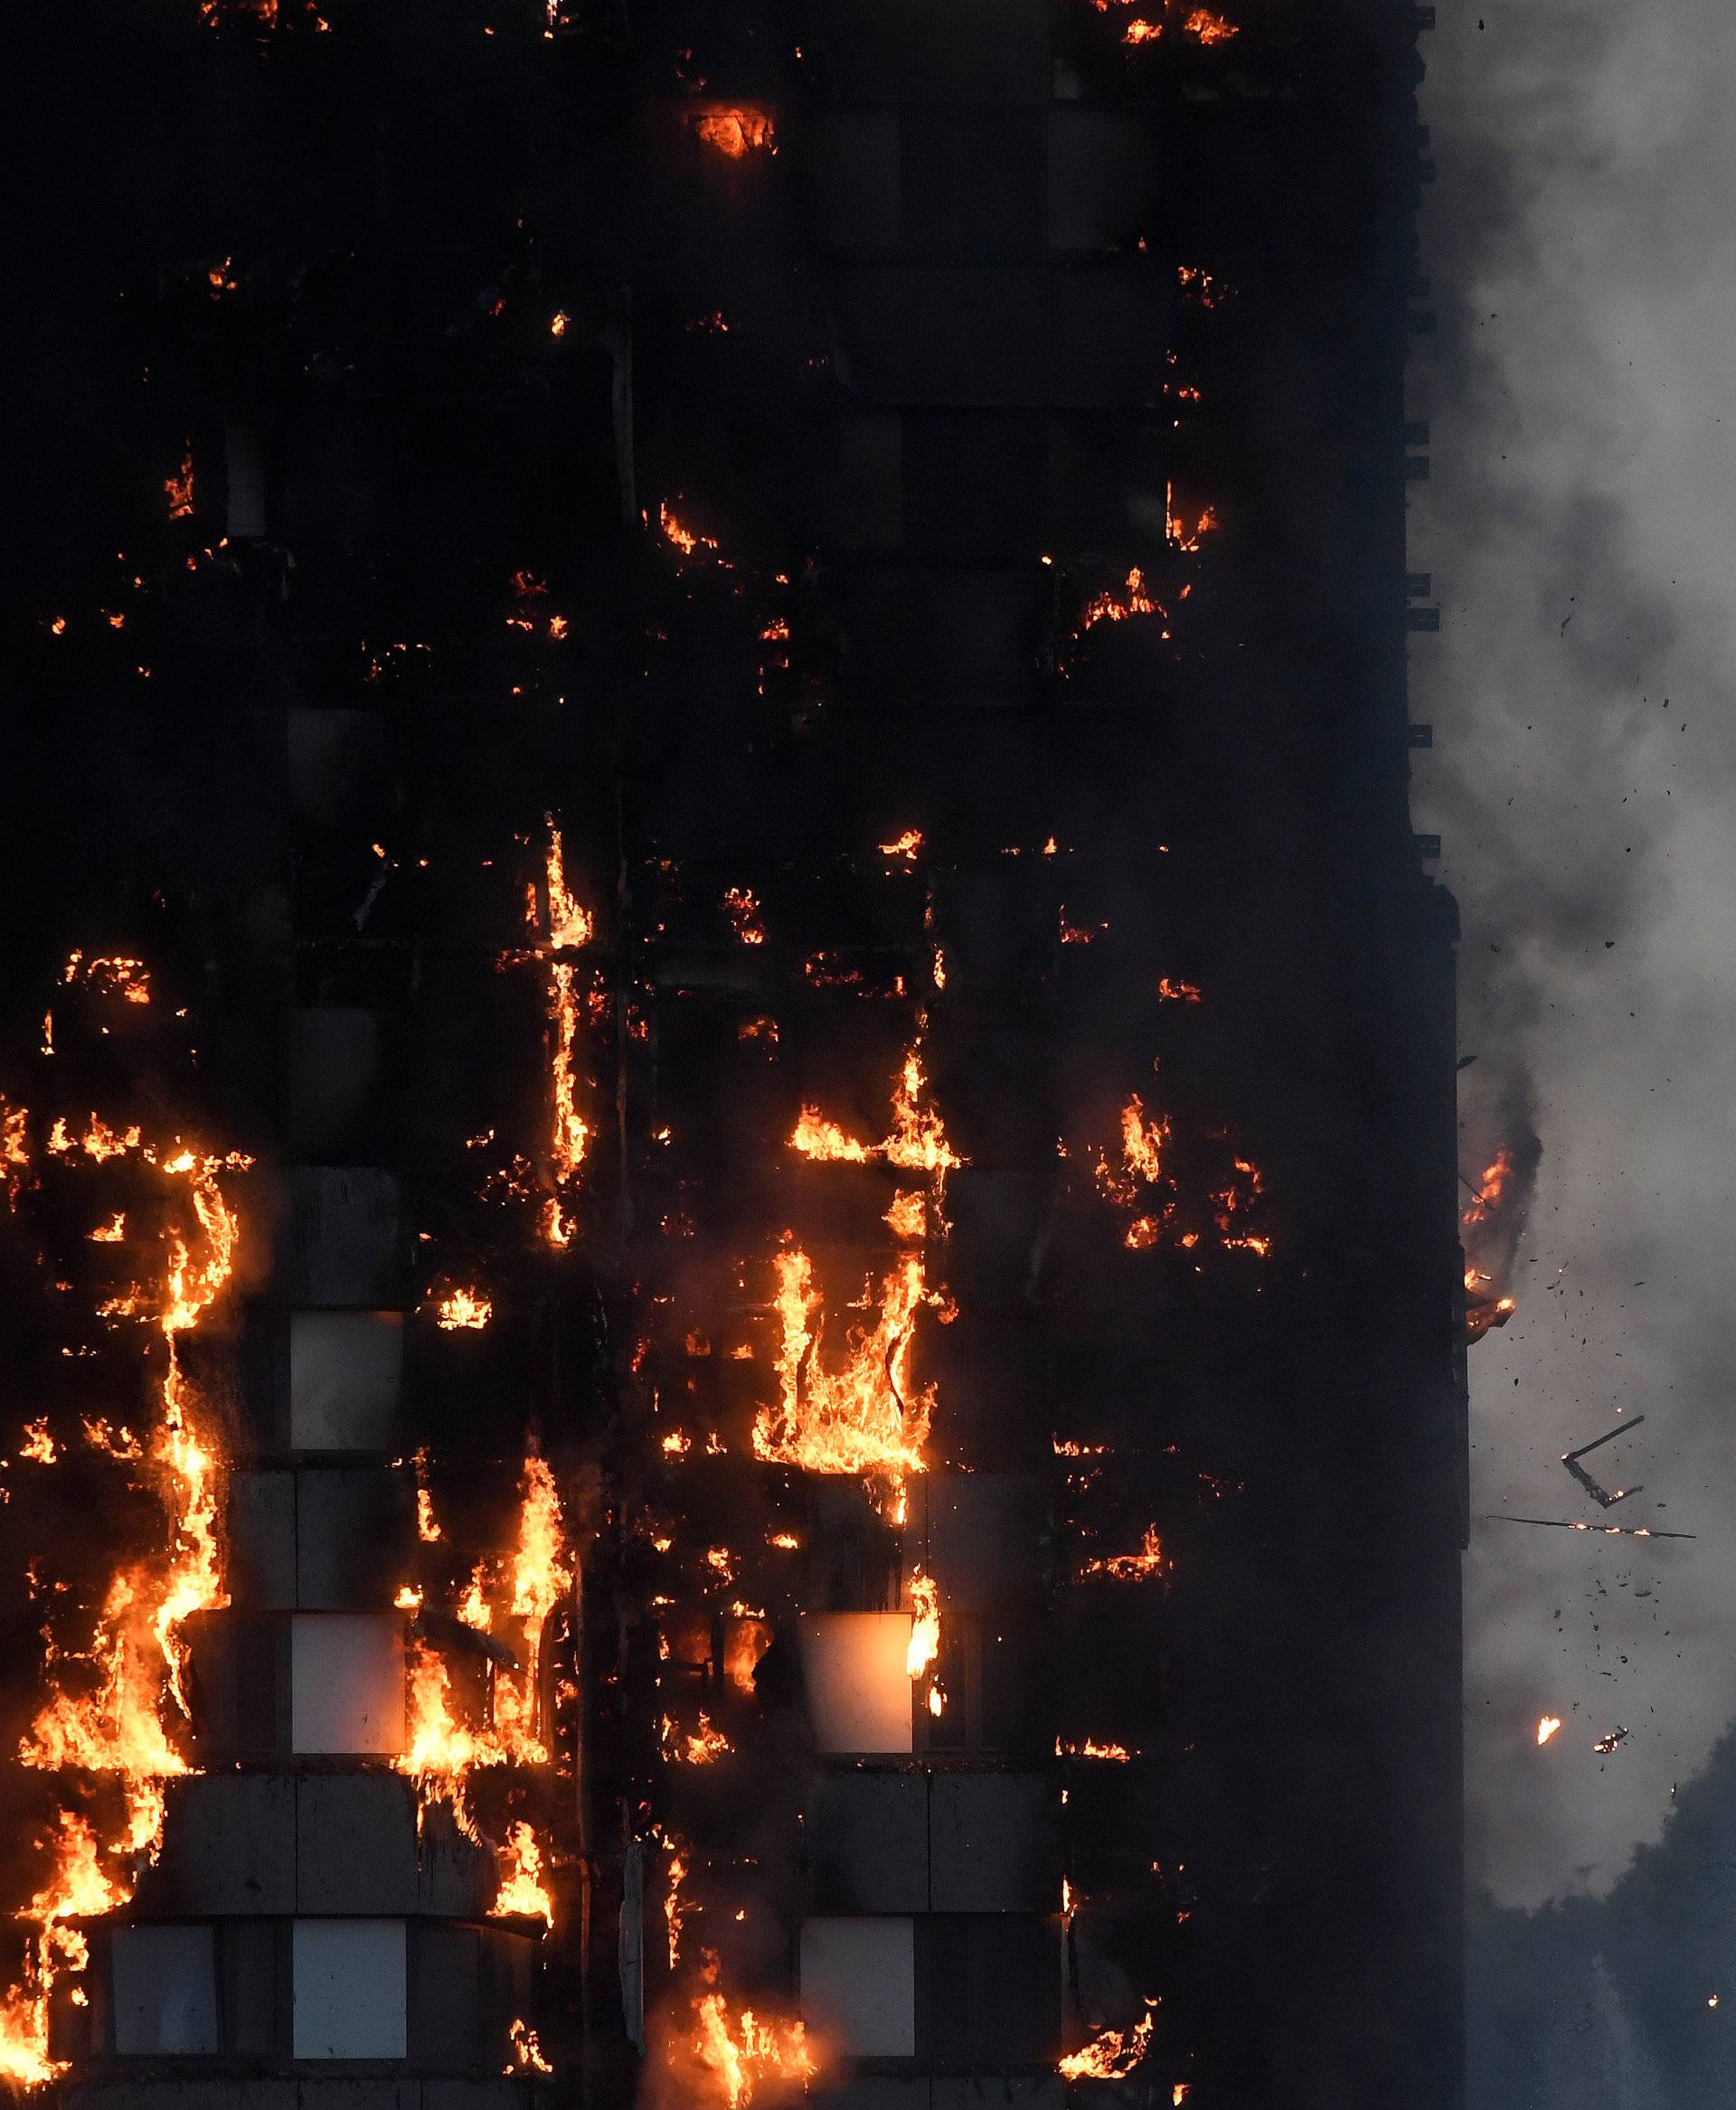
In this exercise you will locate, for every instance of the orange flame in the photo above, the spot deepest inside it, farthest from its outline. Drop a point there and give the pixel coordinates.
(522, 1888)
(863, 1417)
(1112, 2054)
(78, 1889)
(1547, 1728)
(469, 1308)
(737, 132)
(178, 489)
(1140, 1567)
(739, 2055)
(917, 1143)
(925, 1625)
(527, 2053)
(675, 1913)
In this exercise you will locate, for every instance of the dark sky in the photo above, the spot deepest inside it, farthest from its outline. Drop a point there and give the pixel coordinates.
(1580, 529)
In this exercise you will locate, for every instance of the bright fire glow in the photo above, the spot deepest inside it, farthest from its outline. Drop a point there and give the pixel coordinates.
(523, 1890)
(464, 1308)
(738, 2055)
(925, 1625)
(864, 1416)
(1547, 1728)
(738, 133)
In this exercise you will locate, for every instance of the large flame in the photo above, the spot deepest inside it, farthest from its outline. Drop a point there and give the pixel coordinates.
(77, 1889)
(925, 1625)
(916, 1142)
(522, 1889)
(741, 2053)
(863, 1417)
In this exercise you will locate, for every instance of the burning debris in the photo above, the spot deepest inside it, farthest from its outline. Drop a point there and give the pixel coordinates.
(1147, 1565)
(1112, 2055)
(1547, 1727)
(1616, 1738)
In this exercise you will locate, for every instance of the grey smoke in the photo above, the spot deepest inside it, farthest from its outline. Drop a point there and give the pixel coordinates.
(1578, 524)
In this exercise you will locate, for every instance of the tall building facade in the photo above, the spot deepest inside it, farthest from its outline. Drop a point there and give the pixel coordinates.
(796, 1424)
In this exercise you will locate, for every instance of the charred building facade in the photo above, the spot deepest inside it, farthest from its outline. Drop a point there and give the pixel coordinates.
(732, 1242)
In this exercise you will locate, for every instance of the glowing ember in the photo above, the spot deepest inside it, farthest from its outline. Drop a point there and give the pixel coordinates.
(1209, 29)
(908, 845)
(739, 2055)
(1108, 608)
(738, 133)
(464, 1308)
(684, 538)
(127, 979)
(1181, 531)
(523, 1890)
(1178, 992)
(178, 489)
(742, 909)
(1111, 2054)
(36, 1445)
(1547, 1728)
(1145, 1566)
(674, 1913)
(925, 1625)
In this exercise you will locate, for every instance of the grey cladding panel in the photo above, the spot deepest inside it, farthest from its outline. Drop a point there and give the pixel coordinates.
(346, 1375)
(939, 50)
(985, 1530)
(868, 1842)
(999, 2092)
(333, 1069)
(354, 1539)
(973, 180)
(262, 1540)
(163, 1981)
(355, 1847)
(1084, 336)
(993, 1844)
(851, 169)
(1101, 177)
(228, 1848)
(349, 1235)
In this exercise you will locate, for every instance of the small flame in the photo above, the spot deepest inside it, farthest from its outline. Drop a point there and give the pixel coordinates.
(925, 1625)
(523, 1890)
(464, 1308)
(1141, 1567)
(527, 2053)
(1547, 1728)
(178, 489)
